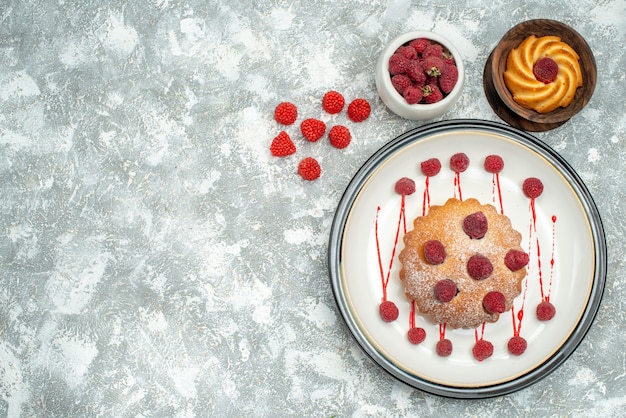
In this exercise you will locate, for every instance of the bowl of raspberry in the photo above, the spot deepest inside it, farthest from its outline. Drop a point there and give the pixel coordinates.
(419, 75)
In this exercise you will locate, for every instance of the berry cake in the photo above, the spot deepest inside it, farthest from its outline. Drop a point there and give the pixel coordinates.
(462, 263)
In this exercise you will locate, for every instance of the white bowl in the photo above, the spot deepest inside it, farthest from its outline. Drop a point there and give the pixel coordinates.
(394, 100)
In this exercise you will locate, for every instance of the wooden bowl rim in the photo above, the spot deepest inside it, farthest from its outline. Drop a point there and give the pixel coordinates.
(542, 27)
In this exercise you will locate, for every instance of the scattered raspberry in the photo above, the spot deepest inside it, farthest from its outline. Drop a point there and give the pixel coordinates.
(388, 311)
(516, 259)
(432, 94)
(398, 64)
(475, 225)
(517, 345)
(339, 136)
(408, 51)
(434, 252)
(401, 82)
(309, 169)
(433, 50)
(416, 335)
(405, 186)
(359, 110)
(444, 347)
(313, 129)
(546, 70)
(333, 102)
(459, 162)
(449, 77)
(413, 94)
(494, 164)
(433, 65)
(532, 187)
(282, 145)
(419, 44)
(286, 113)
(545, 311)
(445, 290)
(494, 302)
(482, 350)
(479, 267)
(431, 167)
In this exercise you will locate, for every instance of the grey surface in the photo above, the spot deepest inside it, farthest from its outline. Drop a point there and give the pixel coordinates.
(157, 261)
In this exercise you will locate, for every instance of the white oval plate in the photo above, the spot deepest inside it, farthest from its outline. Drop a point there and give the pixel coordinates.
(570, 264)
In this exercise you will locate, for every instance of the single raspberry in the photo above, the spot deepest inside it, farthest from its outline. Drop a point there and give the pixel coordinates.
(479, 267)
(493, 164)
(413, 94)
(388, 311)
(405, 186)
(416, 335)
(286, 113)
(433, 50)
(312, 129)
(517, 345)
(448, 58)
(546, 70)
(359, 110)
(398, 64)
(282, 145)
(532, 187)
(401, 82)
(309, 169)
(445, 290)
(408, 51)
(416, 72)
(433, 65)
(494, 302)
(419, 44)
(459, 162)
(516, 259)
(430, 167)
(482, 350)
(333, 102)
(339, 136)
(475, 225)
(545, 311)
(448, 78)
(434, 252)
(444, 347)
(432, 94)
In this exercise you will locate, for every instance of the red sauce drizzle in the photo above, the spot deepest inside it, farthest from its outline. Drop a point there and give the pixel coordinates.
(517, 327)
(426, 200)
(495, 187)
(547, 296)
(457, 186)
(384, 277)
(442, 331)
(480, 336)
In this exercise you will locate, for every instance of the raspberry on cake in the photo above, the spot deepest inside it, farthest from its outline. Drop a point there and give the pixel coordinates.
(456, 279)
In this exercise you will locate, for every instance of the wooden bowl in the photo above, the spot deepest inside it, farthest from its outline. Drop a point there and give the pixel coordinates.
(513, 112)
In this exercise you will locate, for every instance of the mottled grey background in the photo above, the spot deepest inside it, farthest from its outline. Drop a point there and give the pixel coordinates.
(155, 260)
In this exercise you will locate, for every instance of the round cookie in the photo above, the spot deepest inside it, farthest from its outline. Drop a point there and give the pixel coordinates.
(533, 92)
